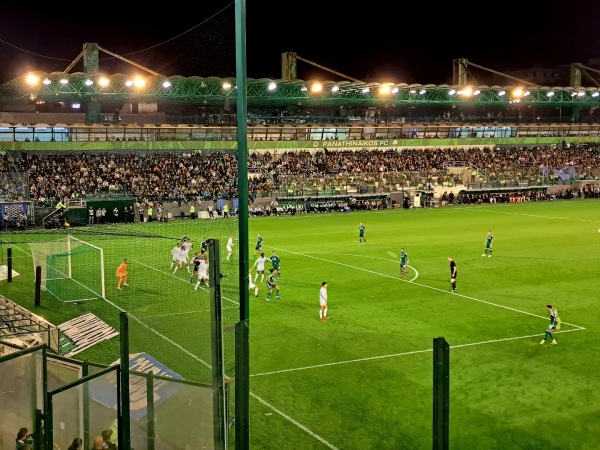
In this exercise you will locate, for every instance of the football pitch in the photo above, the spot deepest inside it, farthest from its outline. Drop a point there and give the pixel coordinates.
(364, 378)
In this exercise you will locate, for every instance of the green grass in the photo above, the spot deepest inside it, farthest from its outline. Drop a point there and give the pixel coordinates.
(363, 380)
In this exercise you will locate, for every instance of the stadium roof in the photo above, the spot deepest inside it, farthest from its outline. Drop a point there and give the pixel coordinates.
(269, 93)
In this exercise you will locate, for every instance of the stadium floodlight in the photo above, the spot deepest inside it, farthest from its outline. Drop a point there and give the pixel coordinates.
(46, 81)
(501, 93)
(64, 81)
(335, 88)
(595, 94)
(166, 84)
(316, 87)
(272, 86)
(32, 79)
(550, 94)
(451, 92)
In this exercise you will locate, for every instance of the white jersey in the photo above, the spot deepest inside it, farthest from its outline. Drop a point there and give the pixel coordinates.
(260, 263)
(203, 270)
(230, 245)
(176, 253)
(323, 296)
(185, 250)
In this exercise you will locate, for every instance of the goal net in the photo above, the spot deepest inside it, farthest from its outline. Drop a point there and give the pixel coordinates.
(72, 269)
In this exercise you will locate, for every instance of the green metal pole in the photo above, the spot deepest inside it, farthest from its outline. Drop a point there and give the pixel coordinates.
(150, 411)
(125, 408)
(441, 394)
(242, 363)
(218, 373)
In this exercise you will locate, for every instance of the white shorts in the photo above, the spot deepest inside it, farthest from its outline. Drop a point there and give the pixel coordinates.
(322, 302)
(202, 276)
(229, 249)
(252, 285)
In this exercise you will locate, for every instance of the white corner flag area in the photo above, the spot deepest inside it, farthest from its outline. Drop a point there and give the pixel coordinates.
(4, 273)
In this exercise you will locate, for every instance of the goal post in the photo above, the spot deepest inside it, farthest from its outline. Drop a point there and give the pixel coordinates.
(72, 269)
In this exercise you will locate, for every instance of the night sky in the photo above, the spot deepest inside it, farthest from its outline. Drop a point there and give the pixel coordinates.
(397, 42)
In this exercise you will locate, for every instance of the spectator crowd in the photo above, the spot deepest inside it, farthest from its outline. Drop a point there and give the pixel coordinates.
(170, 176)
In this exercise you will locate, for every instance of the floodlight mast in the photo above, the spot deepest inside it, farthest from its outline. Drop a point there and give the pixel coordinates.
(91, 62)
(289, 67)
(460, 73)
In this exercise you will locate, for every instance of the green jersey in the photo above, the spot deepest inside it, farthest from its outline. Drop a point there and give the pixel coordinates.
(275, 262)
(488, 240)
(361, 231)
(403, 259)
(272, 281)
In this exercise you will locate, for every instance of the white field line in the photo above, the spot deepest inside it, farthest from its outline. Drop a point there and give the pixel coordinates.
(299, 425)
(191, 355)
(308, 255)
(261, 400)
(395, 355)
(175, 344)
(494, 211)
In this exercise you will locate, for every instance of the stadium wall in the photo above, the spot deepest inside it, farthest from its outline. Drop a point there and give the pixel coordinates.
(383, 144)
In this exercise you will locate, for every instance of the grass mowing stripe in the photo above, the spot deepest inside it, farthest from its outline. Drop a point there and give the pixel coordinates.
(173, 275)
(395, 355)
(285, 416)
(424, 285)
(148, 327)
(299, 425)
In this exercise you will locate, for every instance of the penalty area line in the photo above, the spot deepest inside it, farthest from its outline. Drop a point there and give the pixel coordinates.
(395, 355)
(298, 424)
(411, 281)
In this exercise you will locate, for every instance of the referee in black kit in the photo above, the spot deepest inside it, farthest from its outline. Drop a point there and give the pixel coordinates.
(453, 273)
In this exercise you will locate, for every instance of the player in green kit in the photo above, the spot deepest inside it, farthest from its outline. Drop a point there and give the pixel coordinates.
(275, 263)
(361, 233)
(488, 244)
(258, 246)
(403, 263)
(272, 284)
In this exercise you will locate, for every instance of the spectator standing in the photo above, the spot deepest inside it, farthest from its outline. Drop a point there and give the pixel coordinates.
(211, 213)
(116, 214)
(97, 444)
(106, 438)
(24, 439)
(149, 212)
(225, 210)
(77, 444)
(91, 216)
(192, 211)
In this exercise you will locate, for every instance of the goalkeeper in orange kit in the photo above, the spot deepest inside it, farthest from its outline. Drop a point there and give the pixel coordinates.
(122, 274)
